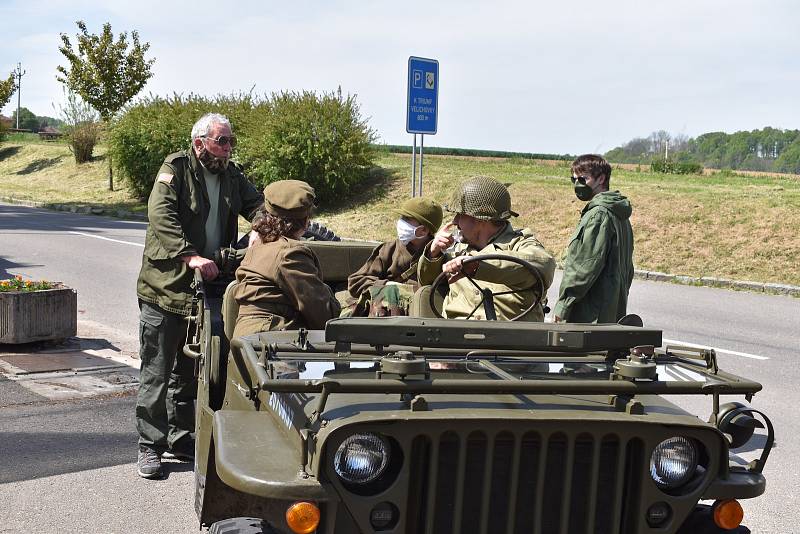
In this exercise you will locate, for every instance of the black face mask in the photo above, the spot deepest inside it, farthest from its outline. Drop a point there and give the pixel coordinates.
(583, 191)
(214, 164)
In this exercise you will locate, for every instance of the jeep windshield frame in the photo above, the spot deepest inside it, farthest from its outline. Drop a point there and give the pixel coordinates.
(550, 343)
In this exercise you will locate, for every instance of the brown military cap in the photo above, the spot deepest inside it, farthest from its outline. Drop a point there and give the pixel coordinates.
(289, 198)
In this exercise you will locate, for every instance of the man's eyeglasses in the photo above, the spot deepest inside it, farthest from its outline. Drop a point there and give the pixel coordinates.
(581, 179)
(222, 140)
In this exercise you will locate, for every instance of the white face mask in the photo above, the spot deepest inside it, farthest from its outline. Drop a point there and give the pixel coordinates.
(406, 231)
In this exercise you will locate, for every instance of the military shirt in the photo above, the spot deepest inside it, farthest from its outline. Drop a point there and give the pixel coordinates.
(389, 261)
(497, 275)
(280, 287)
(177, 211)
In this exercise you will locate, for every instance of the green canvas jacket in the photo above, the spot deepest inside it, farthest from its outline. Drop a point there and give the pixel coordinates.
(177, 210)
(598, 267)
(499, 276)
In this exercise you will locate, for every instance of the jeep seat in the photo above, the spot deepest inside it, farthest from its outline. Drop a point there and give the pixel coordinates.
(421, 303)
(230, 310)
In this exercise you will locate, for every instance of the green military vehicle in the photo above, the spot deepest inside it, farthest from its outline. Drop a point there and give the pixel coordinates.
(428, 425)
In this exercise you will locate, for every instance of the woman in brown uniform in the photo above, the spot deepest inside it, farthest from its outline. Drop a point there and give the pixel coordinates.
(280, 283)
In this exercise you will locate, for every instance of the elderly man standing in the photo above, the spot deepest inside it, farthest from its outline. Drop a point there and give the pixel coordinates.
(481, 208)
(193, 209)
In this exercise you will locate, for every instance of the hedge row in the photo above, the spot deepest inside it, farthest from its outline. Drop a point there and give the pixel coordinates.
(319, 138)
(444, 151)
(676, 167)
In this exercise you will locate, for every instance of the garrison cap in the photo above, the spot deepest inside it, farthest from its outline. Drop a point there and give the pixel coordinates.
(426, 211)
(292, 199)
(483, 198)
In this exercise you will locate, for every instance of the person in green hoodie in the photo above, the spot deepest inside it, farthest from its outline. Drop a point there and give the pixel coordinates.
(598, 268)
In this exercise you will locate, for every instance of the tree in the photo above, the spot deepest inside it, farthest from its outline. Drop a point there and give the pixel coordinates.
(80, 122)
(104, 72)
(27, 119)
(7, 88)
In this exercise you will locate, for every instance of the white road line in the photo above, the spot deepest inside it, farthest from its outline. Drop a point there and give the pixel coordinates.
(107, 239)
(717, 349)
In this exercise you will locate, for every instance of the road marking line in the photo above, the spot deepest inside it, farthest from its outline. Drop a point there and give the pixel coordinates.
(107, 239)
(717, 349)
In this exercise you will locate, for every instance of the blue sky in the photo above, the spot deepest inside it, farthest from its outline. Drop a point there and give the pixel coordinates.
(558, 77)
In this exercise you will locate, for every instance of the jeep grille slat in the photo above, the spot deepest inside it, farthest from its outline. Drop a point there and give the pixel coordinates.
(513, 481)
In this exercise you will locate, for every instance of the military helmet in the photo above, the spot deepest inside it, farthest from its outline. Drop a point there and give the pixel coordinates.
(426, 211)
(483, 198)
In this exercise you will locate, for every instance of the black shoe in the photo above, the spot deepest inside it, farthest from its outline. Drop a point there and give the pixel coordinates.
(183, 451)
(149, 463)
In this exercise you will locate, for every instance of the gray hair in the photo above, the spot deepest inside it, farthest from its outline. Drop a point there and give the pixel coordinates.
(203, 124)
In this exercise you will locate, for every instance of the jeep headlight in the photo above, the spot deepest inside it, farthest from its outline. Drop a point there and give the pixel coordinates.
(673, 462)
(361, 458)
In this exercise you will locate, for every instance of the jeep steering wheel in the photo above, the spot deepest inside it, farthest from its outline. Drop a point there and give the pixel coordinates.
(487, 298)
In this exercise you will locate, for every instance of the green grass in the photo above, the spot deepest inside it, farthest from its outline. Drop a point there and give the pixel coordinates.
(723, 225)
(45, 171)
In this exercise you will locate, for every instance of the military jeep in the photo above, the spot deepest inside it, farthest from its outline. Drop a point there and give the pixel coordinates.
(428, 425)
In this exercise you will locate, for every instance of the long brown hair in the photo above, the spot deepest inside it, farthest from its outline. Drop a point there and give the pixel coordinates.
(271, 227)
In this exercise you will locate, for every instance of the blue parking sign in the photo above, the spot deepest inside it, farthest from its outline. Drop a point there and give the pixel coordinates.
(423, 95)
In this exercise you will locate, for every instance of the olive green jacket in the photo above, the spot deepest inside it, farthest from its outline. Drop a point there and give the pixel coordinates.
(598, 267)
(177, 211)
(391, 260)
(499, 276)
(279, 287)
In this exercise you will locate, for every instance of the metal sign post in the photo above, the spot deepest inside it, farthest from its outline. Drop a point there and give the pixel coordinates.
(414, 168)
(421, 110)
(421, 143)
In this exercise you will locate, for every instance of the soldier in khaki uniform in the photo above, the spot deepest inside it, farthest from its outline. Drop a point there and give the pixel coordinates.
(280, 283)
(396, 260)
(196, 199)
(482, 207)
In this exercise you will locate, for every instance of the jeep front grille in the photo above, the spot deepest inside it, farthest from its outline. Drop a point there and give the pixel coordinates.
(532, 482)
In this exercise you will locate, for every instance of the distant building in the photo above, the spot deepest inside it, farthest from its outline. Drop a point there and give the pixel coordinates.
(6, 122)
(49, 133)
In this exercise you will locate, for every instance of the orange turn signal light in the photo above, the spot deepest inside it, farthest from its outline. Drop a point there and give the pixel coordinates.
(303, 517)
(728, 514)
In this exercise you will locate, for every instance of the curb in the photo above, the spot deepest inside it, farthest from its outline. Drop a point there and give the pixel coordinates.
(724, 283)
(83, 209)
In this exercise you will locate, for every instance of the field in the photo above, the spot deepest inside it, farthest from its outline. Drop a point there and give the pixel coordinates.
(723, 225)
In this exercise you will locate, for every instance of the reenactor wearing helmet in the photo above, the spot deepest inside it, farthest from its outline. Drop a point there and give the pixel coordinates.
(482, 209)
(373, 289)
(280, 283)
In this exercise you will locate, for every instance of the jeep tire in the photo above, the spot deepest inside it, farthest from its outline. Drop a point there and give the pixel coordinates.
(243, 525)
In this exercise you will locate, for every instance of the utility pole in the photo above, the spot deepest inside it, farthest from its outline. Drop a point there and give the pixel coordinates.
(19, 73)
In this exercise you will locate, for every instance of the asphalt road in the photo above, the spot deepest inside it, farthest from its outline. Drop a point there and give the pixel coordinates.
(755, 335)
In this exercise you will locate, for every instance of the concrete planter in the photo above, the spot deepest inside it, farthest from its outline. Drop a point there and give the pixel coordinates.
(27, 316)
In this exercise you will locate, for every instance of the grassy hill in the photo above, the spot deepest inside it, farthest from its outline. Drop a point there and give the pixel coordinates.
(724, 225)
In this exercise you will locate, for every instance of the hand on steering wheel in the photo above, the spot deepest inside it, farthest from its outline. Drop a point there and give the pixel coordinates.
(467, 271)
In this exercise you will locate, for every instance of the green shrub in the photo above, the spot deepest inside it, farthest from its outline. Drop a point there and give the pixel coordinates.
(676, 167)
(319, 139)
(148, 131)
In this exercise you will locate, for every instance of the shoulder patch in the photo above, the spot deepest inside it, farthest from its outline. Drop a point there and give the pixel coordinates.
(165, 178)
